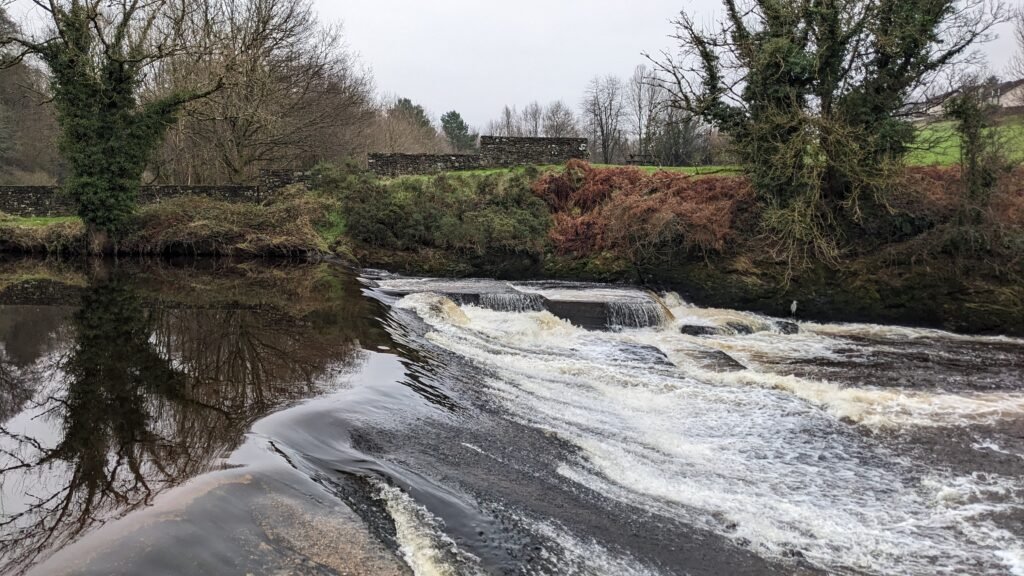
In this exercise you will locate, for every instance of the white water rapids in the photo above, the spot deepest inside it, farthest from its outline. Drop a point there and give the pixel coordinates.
(788, 466)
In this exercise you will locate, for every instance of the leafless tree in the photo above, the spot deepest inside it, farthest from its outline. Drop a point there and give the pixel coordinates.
(604, 112)
(509, 124)
(1016, 67)
(532, 120)
(560, 121)
(292, 96)
(395, 130)
(645, 97)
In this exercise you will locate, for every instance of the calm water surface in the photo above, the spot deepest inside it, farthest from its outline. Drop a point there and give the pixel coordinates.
(213, 417)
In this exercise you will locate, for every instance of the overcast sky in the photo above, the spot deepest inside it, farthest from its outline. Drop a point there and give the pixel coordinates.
(475, 56)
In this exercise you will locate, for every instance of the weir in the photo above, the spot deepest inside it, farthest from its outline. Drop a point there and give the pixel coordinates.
(581, 304)
(512, 302)
(747, 430)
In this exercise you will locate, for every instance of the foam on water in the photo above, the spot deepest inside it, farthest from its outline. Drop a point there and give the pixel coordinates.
(581, 557)
(758, 457)
(434, 307)
(423, 544)
(1014, 560)
(901, 332)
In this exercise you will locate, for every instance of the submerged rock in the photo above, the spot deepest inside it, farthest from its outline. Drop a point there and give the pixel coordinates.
(718, 361)
(739, 328)
(694, 330)
(786, 327)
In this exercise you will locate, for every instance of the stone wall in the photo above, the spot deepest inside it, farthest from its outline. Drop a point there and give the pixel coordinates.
(495, 152)
(46, 201)
(500, 151)
(34, 201)
(278, 179)
(391, 165)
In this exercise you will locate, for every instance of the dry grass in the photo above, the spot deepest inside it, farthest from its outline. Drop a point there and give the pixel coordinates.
(194, 225)
(40, 235)
(290, 225)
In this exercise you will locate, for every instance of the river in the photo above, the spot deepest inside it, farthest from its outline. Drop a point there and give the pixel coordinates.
(221, 417)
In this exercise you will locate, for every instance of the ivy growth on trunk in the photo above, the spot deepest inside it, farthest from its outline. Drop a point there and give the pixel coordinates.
(98, 53)
(817, 96)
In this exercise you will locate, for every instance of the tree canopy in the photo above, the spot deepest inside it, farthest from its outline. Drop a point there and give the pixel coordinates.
(404, 107)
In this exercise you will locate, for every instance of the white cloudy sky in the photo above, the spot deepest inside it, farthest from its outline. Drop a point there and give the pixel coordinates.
(474, 56)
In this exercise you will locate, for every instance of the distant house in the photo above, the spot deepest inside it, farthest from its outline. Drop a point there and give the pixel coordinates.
(1005, 95)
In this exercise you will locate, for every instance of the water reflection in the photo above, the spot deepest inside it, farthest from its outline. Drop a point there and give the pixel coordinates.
(148, 379)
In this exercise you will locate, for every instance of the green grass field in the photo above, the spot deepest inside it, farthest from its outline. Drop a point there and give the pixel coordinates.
(938, 144)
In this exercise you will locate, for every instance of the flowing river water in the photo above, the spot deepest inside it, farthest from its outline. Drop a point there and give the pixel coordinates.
(268, 418)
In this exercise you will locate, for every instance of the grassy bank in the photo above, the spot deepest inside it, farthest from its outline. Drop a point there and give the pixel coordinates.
(297, 223)
(938, 144)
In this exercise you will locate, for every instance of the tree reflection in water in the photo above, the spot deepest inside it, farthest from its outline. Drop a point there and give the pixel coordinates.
(143, 396)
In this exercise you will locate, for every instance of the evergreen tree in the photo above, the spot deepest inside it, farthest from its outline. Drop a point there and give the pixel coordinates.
(457, 131)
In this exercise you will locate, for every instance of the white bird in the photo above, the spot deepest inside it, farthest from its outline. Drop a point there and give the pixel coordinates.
(793, 307)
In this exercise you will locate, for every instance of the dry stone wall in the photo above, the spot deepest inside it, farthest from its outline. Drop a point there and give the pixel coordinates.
(35, 201)
(48, 201)
(503, 152)
(495, 152)
(390, 165)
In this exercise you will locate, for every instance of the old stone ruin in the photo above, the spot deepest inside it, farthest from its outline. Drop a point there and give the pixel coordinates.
(495, 152)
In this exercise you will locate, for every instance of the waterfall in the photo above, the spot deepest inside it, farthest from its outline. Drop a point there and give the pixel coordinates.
(512, 302)
(636, 313)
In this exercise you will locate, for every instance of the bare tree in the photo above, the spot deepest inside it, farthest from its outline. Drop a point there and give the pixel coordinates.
(401, 129)
(293, 96)
(645, 96)
(560, 121)
(532, 119)
(1016, 67)
(604, 111)
(510, 123)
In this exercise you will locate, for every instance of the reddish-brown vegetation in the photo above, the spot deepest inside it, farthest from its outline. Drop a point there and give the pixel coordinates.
(641, 216)
(937, 193)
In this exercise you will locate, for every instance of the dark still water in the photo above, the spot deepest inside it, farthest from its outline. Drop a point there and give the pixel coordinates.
(212, 417)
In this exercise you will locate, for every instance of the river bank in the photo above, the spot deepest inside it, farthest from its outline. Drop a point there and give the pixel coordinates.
(700, 236)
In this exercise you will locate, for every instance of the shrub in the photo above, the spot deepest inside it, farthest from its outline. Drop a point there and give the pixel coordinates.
(288, 225)
(466, 213)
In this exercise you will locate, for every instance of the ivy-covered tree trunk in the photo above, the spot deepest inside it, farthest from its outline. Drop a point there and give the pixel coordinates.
(817, 96)
(98, 54)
